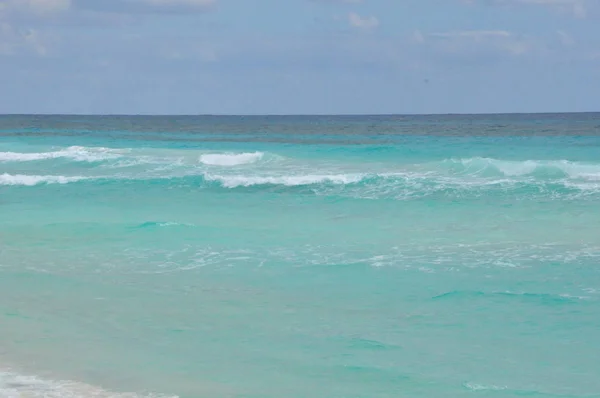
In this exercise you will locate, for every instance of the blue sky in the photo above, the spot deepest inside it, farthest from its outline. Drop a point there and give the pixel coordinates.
(299, 56)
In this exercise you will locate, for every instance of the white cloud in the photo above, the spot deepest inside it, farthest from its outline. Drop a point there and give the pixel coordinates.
(577, 8)
(565, 38)
(357, 21)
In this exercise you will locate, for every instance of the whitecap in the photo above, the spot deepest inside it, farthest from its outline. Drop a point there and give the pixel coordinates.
(516, 168)
(230, 159)
(235, 181)
(484, 387)
(31, 180)
(76, 153)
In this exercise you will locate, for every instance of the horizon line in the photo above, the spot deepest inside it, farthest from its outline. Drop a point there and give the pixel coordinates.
(299, 114)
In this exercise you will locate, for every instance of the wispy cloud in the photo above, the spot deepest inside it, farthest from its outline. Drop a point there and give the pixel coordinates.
(577, 8)
(565, 38)
(360, 22)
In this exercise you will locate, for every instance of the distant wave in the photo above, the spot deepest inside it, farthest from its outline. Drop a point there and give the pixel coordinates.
(396, 186)
(31, 180)
(471, 177)
(153, 224)
(483, 168)
(76, 153)
(130, 157)
(234, 181)
(230, 159)
(480, 166)
(510, 392)
(483, 387)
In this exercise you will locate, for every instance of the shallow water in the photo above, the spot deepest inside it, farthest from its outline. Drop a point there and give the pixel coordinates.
(440, 256)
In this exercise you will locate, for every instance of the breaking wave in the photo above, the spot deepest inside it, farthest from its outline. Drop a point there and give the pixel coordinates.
(31, 180)
(230, 159)
(396, 186)
(475, 167)
(480, 166)
(235, 181)
(75, 153)
(483, 387)
(451, 178)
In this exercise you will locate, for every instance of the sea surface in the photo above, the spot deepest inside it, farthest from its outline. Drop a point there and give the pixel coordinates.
(288, 257)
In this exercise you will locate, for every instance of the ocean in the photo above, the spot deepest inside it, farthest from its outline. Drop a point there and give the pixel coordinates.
(300, 256)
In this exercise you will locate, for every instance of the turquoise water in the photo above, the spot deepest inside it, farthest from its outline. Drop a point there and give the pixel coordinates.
(431, 256)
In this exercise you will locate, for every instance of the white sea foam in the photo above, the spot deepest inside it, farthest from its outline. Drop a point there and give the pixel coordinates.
(231, 159)
(483, 387)
(31, 180)
(13, 385)
(166, 224)
(76, 153)
(514, 168)
(235, 181)
(174, 224)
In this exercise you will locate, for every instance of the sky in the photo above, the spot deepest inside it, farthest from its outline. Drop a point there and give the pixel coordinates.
(299, 56)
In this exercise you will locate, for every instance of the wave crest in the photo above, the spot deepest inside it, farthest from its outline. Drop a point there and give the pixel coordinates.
(472, 177)
(76, 153)
(235, 181)
(230, 159)
(31, 180)
(483, 387)
(480, 166)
